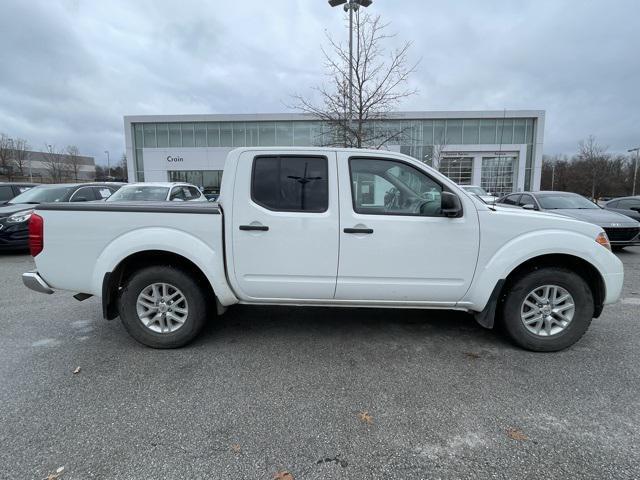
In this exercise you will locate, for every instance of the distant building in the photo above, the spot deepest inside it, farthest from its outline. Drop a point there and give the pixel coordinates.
(499, 150)
(40, 167)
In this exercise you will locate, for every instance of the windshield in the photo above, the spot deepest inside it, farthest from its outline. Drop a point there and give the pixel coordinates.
(139, 193)
(476, 190)
(553, 202)
(42, 194)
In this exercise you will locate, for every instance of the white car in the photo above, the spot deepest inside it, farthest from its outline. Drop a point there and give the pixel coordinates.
(327, 227)
(481, 192)
(158, 192)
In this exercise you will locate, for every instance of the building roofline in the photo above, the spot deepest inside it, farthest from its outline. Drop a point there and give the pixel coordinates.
(263, 117)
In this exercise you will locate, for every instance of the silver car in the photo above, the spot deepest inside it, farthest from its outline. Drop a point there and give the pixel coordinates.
(621, 230)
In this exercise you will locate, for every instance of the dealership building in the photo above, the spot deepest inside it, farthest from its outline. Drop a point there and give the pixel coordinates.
(498, 150)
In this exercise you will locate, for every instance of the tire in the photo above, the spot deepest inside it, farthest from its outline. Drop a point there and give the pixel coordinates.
(172, 334)
(552, 335)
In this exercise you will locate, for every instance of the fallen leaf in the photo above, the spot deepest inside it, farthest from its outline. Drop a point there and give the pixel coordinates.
(472, 354)
(283, 475)
(515, 434)
(77, 370)
(235, 447)
(365, 417)
(55, 476)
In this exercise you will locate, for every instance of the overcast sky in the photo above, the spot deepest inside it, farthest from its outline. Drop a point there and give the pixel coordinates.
(71, 69)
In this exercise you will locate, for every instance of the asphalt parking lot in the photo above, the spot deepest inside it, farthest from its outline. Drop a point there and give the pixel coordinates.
(319, 393)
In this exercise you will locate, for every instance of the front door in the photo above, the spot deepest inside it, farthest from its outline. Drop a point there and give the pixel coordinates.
(285, 226)
(395, 245)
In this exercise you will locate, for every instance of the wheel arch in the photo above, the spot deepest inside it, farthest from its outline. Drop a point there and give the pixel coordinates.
(113, 281)
(587, 271)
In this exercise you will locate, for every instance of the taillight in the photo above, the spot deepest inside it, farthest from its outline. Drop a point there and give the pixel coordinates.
(36, 234)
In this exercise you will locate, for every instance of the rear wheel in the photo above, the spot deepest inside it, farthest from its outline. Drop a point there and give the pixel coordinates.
(548, 309)
(162, 307)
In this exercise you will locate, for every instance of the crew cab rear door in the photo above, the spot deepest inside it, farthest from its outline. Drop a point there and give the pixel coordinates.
(395, 244)
(285, 225)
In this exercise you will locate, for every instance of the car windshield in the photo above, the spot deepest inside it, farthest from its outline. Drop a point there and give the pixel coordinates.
(42, 194)
(554, 202)
(476, 190)
(139, 193)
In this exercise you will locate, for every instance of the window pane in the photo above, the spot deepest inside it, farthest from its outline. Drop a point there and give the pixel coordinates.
(284, 134)
(162, 134)
(505, 131)
(519, 130)
(201, 135)
(149, 135)
(438, 132)
(454, 132)
(6, 193)
(529, 135)
(497, 175)
(458, 169)
(226, 135)
(291, 183)
(175, 139)
(427, 132)
(213, 135)
(187, 135)
(252, 134)
(302, 134)
(267, 133)
(239, 135)
(386, 187)
(487, 131)
(137, 128)
(470, 133)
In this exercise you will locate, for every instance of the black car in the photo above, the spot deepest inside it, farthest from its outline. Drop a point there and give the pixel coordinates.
(629, 206)
(11, 190)
(14, 215)
(621, 230)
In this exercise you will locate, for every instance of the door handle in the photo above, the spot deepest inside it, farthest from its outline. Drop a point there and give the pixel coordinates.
(259, 228)
(358, 230)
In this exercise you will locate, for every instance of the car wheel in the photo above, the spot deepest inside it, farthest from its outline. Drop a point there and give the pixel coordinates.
(162, 307)
(547, 310)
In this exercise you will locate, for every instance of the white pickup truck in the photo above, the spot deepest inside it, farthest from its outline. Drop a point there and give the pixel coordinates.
(330, 227)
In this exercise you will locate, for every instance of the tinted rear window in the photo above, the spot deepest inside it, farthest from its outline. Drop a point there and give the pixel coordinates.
(292, 183)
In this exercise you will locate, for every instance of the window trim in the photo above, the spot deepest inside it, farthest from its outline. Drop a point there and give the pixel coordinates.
(290, 155)
(404, 162)
(88, 187)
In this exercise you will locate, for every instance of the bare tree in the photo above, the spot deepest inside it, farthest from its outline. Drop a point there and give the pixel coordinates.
(595, 160)
(73, 161)
(55, 164)
(6, 154)
(20, 154)
(379, 84)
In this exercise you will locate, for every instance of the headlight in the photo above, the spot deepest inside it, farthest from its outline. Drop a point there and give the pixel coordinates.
(20, 217)
(603, 240)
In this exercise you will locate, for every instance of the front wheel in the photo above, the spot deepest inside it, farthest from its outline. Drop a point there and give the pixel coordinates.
(547, 310)
(162, 307)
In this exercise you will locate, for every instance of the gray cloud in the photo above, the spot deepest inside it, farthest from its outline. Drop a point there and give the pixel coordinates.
(69, 70)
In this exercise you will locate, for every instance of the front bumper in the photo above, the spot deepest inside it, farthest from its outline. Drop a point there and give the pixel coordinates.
(14, 236)
(35, 282)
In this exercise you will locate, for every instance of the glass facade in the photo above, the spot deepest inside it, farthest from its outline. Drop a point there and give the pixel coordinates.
(421, 138)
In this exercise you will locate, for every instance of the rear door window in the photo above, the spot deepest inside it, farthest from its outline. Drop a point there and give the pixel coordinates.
(526, 200)
(291, 183)
(6, 193)
(511, 200)
(85, 193)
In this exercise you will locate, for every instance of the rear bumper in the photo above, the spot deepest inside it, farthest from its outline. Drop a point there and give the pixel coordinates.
(34, 281)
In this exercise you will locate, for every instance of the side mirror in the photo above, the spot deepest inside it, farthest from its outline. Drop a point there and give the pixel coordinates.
(450, 205)
(529, 206)
(79, 199)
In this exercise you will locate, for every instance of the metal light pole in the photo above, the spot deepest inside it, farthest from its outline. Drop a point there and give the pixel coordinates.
(553, 174)
(635, 170)
(108, 164)
(350, 6)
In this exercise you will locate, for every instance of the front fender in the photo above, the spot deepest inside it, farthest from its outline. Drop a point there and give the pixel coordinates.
(167, 239)
(499, 264)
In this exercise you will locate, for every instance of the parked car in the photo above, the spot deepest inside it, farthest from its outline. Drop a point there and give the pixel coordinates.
(158, 192)
(14, 215)
(481, 192)
(11, 190)
(313, 227)
(629, 206)
(621, 230)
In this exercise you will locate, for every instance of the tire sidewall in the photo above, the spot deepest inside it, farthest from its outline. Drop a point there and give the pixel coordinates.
(179, 279)
(584, 308)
